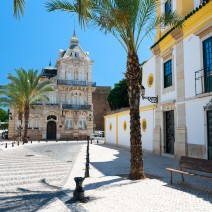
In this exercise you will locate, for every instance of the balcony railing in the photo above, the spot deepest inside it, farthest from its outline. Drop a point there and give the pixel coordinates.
(76, 107)
(76, 83)
(52, 104)
(203, 81)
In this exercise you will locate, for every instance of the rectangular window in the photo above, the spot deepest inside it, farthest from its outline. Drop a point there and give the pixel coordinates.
(167, 73)
(36, 123)
(69, 124)
(82, 124)
(52, 98)
(168, 7)
(29, 124)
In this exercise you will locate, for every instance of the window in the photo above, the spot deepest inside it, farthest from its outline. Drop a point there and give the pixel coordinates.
(168, 7)
(30, 124)
(36, 123)
(167, 73)
(69, 124)
(82, 124)
(52, 98)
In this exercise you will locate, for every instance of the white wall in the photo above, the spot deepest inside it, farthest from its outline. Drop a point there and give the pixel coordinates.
(148, 68)
(124, 136)
(196, 3)
(196, 121)
(110, 134)
(192, 63)
(147, 136)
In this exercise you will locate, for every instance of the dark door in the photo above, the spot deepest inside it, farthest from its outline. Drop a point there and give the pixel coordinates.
(209, 130)
(170, 135)
(207, 60)
(51, 130)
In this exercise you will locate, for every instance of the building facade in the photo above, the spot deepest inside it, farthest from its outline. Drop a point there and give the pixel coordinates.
(69, 112)
(179, 73)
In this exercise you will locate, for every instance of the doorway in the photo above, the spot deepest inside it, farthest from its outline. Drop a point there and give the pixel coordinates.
(170, 134)
(209, 133)
(51, 130)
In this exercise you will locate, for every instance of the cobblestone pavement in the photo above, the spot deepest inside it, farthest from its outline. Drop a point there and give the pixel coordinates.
(32, 176)
(107, 187)
(110, 190)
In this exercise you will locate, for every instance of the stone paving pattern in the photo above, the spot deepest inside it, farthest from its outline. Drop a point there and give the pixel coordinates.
(33, 175)
(107, 187)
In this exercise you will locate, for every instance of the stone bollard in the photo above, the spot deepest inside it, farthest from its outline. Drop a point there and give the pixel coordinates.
(79, 192)
(5, 145)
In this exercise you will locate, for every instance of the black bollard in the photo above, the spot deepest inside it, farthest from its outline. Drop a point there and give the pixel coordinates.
(79, 192)
(31, 141)
(46, 141)
(97, 141)
(5, 145)
(12, 144)
(18, 143)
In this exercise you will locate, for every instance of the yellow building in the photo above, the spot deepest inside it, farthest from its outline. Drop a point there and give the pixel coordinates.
(179, 73)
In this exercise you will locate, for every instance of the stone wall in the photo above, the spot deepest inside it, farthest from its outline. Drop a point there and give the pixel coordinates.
(100, 106)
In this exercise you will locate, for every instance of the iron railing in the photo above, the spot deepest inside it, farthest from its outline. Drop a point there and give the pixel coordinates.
(52, 104)
(76, 107)
(76, 83)
(203, 81)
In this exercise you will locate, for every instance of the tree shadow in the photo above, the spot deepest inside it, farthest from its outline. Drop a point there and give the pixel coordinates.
(155, 169)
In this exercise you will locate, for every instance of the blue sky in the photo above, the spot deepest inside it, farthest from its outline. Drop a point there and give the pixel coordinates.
(38, 36)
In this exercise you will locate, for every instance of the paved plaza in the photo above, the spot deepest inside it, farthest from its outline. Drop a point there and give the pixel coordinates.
(39, 177)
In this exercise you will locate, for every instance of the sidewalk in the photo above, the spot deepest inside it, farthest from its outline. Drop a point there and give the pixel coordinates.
(110, 190)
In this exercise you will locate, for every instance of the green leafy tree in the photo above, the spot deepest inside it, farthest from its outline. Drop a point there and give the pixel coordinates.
(3, 115)
(118, 96)
(130, 21)
(23, 91)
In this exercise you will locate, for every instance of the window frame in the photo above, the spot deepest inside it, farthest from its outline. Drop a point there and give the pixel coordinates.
(167, 73)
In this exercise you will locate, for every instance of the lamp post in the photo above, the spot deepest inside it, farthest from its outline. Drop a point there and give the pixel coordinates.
(150, 99)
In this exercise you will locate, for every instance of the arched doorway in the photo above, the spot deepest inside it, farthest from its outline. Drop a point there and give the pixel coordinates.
(51, 130)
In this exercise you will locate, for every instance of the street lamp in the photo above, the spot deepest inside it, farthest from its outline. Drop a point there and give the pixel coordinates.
(150, 99)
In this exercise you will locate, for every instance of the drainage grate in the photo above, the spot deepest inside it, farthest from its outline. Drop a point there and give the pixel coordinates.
(29, 155)
(69, 161)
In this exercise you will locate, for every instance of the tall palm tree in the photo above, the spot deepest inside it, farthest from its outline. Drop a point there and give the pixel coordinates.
(23, 91)
(130, 21)
(18, 8)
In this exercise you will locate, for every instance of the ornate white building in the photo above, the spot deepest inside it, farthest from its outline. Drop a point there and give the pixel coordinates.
(69, 112)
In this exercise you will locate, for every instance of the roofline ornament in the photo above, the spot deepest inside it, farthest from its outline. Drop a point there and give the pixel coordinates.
(208, 105)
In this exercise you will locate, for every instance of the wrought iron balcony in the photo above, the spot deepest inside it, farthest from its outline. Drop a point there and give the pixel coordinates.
(76, 107)
(52, 104)
(76, 83)
(203, 81)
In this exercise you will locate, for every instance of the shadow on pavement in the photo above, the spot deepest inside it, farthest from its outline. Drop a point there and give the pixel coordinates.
(154, 167)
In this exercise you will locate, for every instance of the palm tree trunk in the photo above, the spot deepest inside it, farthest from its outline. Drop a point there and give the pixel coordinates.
(26, 120)
(132, 76)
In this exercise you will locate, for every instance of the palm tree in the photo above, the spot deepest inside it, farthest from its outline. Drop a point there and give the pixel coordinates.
(23, 92)
(18, 8)
(130, 21)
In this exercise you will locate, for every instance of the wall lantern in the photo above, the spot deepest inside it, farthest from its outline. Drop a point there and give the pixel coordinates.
(150, 99)
(90, 117)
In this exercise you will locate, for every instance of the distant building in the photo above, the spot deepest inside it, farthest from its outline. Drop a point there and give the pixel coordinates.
(179, 73)
(69, 114)
(100, 106)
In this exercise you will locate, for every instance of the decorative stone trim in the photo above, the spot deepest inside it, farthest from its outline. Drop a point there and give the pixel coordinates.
(125, 125)
(144, 125)
(110, 126)
(156, 50)
(150, 80)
